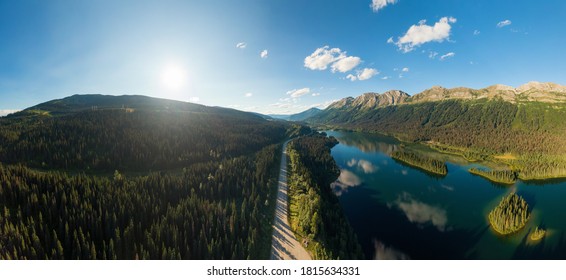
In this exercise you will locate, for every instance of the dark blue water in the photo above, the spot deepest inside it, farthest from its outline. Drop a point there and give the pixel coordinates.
(401, 212)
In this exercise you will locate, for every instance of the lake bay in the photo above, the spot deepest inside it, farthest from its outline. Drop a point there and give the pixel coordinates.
(401, 212)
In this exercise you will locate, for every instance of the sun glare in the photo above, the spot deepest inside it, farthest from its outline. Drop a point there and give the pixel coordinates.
(173, 77)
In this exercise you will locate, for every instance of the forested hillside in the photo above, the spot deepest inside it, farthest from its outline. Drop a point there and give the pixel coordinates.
(192, 182)
(315, 212)
(134, 139)
(479, 130)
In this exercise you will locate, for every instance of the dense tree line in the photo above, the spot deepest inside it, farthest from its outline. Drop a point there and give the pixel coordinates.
(315, 212)
(499, 176)
(213, 210)
(510, 215)
(476, 129)
(171, 180)
(141, 140)
(429, 164)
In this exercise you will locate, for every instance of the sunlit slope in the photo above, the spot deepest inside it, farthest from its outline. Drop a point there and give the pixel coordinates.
(531, 133)
(130, 133)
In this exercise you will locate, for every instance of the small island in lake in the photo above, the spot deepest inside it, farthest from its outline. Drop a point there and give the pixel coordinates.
(538, 234)
(425, 163)
(498, 176)
(510, 215)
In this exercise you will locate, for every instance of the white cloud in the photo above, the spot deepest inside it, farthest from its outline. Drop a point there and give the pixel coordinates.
(367, 73)
(386, 77)
(281, 105)
(377, 5)
(406, 69)
(263, 54)
(288, 99)
(292, 106)
(4, 112)
(315, 94)
(432, 55)
(422, 33)
(346, 64)
(362, 75)
(296, 93)
(194, 99)
(476, 32)
(503, 23)
(351, 77)
(248, 94)
(241, 45)
(321, 58)
(448, 55)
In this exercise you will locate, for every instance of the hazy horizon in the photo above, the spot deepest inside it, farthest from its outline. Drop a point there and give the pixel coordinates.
(4, 112)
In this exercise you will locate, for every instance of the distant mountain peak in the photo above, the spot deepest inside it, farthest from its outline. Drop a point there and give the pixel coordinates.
(500, 87)
(97, 102)
(301, 116)
(531, 91)
(344, 102)
(370, 100)
(538, 86)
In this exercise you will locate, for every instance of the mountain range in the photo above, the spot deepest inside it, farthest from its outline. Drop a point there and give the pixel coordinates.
(527, 121)
(530, 92)
(97, 102)
(480, 124)
(128, 177)
(298, 116)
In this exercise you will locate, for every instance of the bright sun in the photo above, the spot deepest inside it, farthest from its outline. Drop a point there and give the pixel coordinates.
(173, 77)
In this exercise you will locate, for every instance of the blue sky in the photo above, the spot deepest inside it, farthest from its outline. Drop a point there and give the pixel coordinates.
(316, 51)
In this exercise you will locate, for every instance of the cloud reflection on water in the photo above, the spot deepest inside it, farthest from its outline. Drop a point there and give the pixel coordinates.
(447, 187)
(384, 252)
(365, 165)
(347, 179)
(421, 213)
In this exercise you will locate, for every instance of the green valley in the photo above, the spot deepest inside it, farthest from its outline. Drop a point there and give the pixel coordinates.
(476, 124)
(130, 177)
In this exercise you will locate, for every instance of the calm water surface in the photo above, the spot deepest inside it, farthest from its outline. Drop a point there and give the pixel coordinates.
(401, 212)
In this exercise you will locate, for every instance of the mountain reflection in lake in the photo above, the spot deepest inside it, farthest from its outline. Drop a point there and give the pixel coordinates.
(386, 145)
(399, 212)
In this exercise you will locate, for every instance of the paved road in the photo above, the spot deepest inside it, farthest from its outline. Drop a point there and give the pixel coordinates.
(284, 245)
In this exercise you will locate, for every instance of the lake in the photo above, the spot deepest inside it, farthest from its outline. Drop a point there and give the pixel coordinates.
(400, 212)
